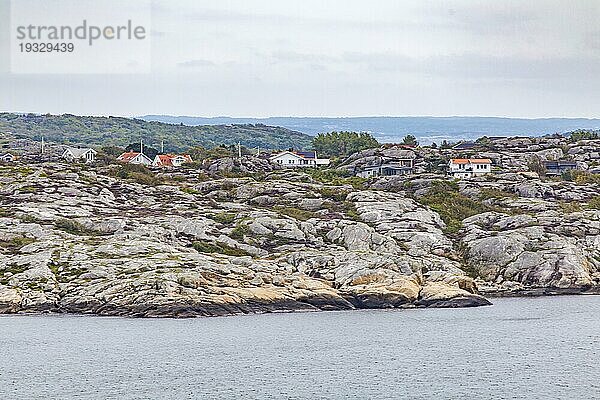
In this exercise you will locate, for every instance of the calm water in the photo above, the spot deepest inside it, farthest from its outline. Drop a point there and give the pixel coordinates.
(542, 348)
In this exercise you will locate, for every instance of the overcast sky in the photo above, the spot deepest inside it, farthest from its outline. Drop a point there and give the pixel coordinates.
(345, 58)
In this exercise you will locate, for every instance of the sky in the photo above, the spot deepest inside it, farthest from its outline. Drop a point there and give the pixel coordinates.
(258, 58)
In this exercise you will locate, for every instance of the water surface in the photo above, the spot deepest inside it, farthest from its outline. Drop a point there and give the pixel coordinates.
(520, 348)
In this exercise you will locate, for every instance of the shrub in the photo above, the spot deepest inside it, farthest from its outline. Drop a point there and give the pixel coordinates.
(224, 218)
(137, 173)
(594, 203)
(239, 231)
(584, 177)
(444, 198)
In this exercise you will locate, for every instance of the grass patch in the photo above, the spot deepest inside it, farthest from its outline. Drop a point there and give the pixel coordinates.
(15, 243)
(204, 247)
(333, 193)
(296, 213)
(137, 173)
(492, 193)
(189, 190)
(336, 177)
(444, 198)
(239, 231)
(594, 203)
(569, 207)
(74, 227)
(224, 218)
(30, 219)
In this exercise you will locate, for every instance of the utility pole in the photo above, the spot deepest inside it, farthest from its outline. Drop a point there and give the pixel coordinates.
(258, 151)
(141, 145)
(162, 147)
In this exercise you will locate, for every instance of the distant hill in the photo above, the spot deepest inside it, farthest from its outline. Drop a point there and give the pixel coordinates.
(392, 129)
(120, 131)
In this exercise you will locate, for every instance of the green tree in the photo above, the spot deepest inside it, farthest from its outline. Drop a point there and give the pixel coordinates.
(339, 144)
(410, 140)
(536, 164)
(149, 151)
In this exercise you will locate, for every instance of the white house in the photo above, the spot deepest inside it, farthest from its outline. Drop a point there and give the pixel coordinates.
(298, 159)
(171, 160)
(8, 157)
(469, 167)
(133, 157)
(73, 154)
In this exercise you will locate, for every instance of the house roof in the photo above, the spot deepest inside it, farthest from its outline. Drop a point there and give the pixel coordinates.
(284, 153)
(130, 155)
(471, 161)
(163, 159)
(167, 159)
(306, 154)
(79, 152)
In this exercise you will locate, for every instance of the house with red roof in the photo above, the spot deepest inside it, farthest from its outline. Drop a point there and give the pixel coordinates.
(133, 157)
(171, 160)
(469, 167)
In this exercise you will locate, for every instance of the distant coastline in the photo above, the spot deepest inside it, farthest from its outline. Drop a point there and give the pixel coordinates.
(392, 129)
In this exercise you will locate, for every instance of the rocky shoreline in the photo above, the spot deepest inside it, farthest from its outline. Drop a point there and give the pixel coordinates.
(183, 243)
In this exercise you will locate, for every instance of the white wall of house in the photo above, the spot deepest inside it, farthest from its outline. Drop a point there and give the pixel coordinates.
(141, 159)
(469, 169)
(288, 159)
